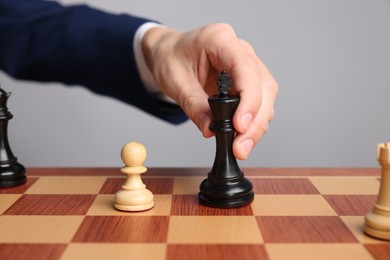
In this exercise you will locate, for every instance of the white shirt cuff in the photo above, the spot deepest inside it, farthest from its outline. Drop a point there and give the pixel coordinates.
(143, 70)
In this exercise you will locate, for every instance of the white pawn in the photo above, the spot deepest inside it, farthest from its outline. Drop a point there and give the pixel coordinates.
(133, 196)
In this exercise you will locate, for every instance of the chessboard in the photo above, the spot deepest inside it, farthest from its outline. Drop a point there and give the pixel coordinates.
(68, 213)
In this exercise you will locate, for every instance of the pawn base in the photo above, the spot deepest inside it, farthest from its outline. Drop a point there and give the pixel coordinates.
(134, 208)
(133, 199)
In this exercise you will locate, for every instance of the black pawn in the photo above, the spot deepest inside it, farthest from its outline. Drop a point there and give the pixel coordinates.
(12, 173)
(225, 186)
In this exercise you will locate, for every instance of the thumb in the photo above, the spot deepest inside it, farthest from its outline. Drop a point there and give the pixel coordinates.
(194, 103)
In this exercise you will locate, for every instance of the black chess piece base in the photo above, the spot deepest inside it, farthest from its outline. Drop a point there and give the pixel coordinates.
(12, 175)
(231, 193)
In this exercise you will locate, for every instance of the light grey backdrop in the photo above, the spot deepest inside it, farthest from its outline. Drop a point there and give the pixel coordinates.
(331, 59)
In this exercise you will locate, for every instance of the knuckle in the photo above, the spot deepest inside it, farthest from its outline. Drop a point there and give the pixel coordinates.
(219, 31)
(220, 27)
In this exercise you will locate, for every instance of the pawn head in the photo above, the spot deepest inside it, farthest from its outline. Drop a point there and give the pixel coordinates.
(133, 154)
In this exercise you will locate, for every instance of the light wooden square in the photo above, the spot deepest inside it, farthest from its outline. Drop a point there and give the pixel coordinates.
(104, 206)
(317, 251)
(214, 229)
(117, 251)
(291, 205)
(346, 185)
(6, 200)
(38, 229)
(67, 185)
(187, 185)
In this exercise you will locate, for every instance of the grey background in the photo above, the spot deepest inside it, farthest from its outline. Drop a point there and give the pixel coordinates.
(330, 58)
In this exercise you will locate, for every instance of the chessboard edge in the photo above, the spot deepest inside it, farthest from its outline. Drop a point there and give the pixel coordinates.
(202, 171)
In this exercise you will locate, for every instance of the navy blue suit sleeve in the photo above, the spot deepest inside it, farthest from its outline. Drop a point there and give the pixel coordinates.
(76, 45)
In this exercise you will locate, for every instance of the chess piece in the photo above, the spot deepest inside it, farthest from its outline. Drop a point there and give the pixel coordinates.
(377, 222)
(12, 173)
(225, 186)
(133, 196)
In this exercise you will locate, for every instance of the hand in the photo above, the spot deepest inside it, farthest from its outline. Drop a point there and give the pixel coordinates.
(186, 66)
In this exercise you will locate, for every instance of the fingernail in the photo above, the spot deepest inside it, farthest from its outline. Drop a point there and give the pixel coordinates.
(246, 121)
(247, 146)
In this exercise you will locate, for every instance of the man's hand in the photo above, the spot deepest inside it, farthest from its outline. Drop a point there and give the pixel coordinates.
(186, 66)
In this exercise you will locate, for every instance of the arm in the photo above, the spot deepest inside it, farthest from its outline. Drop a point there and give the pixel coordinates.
(184, 65)
(76, 45)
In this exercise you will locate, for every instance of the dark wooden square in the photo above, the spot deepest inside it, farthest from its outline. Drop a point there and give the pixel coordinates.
(55, 204)
(212, 252)
(304, 229)
(351, 205)
(379, 251)
(283, 186)
(188, 205)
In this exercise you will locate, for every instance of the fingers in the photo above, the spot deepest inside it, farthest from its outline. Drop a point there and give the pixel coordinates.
(248, 73)
(251, 81)
(257, 90)
(244, 142)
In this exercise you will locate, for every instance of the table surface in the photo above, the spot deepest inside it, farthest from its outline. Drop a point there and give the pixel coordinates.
(298, 213)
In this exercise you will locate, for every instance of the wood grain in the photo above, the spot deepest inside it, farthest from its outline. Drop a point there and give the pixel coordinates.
(212, 252)
(31, 251)
(283, 186)
(188, 205)
(351, 205)
(115, 229)
(32, 204)
(303, 229)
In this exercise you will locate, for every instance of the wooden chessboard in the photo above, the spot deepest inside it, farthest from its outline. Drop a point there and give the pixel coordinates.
(297, 214)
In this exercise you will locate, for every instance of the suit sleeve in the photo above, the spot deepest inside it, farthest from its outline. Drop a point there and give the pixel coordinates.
(76, 45)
